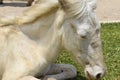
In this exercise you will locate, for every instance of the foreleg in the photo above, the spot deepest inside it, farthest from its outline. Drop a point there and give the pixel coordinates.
(27, 78)
(18, 73)
(17, 70)
(60, 72)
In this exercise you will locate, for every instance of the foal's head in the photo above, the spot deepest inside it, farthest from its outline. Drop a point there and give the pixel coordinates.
(86, 33)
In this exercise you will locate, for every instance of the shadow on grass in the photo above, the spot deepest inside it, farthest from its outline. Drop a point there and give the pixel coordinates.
(79, 77)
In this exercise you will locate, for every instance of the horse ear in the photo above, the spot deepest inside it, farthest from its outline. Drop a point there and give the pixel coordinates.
(92, 4)
(67, 4)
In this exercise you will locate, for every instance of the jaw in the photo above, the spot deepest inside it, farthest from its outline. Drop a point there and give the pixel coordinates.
(88, 76)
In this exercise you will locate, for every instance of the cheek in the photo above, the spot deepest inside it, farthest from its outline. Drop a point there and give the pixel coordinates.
(90, 50)
(82, 59)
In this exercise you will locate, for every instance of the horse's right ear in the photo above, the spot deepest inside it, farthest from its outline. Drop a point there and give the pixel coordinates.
(92, 4)
(71, 7)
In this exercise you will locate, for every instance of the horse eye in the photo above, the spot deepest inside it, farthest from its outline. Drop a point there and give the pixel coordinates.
(97, 30)
(87, 63)
(94, 44)
(83, 36)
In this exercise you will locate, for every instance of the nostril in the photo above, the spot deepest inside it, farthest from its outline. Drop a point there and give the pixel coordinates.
(98, 76)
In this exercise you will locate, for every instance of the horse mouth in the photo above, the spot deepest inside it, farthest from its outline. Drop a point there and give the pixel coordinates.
(88, 76)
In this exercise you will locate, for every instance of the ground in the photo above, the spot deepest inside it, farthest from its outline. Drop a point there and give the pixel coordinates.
(107, 10)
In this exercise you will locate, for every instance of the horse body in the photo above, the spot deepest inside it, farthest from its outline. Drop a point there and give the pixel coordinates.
(15, 56)
(78, 32)
(26, 59)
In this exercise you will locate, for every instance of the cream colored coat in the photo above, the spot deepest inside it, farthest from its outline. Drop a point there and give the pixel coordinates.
(75, 27)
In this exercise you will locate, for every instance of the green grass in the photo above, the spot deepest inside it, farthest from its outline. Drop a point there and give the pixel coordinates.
(111, 49)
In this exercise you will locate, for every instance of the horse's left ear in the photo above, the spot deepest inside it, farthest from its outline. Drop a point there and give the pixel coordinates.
(92, 4)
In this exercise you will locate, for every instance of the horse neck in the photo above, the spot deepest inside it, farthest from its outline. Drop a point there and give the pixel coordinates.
(48, 38)
(53, 39)
(70, 39)
(78, 11)
(37, 29)
(51, 42)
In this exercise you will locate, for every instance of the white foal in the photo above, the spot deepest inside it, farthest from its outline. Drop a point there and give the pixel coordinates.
(75, 28)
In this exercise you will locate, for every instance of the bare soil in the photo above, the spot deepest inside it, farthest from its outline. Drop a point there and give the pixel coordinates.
(107, 10)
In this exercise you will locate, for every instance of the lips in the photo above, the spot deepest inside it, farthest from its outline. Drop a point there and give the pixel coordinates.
(88, 76)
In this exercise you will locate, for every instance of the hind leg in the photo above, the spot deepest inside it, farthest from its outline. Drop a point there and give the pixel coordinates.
(17, 71)
(60, 72)
(17, 76)
(29, 78)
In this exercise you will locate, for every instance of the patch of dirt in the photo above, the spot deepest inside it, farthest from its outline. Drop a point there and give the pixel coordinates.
(107, 10)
